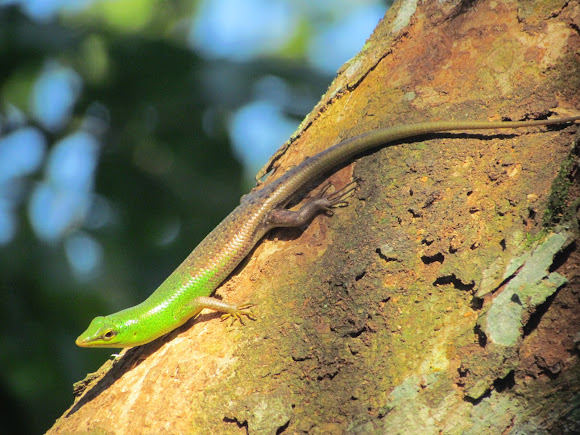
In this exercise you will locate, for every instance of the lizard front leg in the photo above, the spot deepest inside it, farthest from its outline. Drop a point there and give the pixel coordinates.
(235, 312)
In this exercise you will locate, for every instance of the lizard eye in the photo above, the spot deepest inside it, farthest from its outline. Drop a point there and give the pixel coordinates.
(109, 334)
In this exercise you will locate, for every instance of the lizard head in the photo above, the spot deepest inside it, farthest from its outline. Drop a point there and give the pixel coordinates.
(102, 332)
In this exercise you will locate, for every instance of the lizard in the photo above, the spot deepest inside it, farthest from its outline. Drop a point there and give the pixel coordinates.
(188, 290)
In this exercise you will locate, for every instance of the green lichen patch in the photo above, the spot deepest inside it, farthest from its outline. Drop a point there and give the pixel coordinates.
(531, 285)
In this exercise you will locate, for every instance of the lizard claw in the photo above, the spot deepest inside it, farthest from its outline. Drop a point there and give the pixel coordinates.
(239, 312)
(337, 198)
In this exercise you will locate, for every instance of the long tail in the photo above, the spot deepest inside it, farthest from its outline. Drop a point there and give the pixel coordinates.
(348, 148)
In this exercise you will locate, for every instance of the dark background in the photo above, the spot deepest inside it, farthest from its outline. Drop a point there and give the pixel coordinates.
(163, 118)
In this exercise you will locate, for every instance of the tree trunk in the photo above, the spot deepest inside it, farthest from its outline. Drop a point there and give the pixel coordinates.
(444, 299)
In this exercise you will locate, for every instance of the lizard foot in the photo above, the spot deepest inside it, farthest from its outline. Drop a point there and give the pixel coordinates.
(239, 312)
(336, 199)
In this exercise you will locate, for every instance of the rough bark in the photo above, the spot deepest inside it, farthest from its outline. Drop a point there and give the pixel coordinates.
(444, 299)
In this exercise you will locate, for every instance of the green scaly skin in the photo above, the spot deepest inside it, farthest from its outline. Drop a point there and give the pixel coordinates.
(186, 291)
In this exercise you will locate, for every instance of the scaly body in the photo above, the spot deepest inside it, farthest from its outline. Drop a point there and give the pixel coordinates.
(188, 289)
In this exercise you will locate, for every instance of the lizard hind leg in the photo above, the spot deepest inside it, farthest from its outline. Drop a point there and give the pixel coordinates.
(321, 202)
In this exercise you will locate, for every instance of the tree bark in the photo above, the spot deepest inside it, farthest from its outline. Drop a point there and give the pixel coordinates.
(444, 299)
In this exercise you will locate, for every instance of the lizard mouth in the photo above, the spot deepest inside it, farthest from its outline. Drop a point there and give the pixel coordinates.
(80, 342)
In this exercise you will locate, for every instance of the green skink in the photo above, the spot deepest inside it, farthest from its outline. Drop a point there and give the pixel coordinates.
(189, 288)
